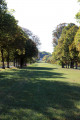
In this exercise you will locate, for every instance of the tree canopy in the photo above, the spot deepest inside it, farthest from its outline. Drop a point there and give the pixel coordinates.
(66, 51)
(15, 44)
(57, 33)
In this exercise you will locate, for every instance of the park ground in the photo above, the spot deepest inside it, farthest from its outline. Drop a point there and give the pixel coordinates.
(40, 91)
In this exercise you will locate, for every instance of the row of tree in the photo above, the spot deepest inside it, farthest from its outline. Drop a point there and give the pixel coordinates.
(66, 46)
(15, 43)
(67, 50)
(49, 59)
(66, 42)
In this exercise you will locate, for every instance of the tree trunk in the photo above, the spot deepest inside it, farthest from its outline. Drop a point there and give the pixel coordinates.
(62, 65)
(25, 63)
(72, 64)
(76, 65)
(14, 62)
(68, 65)
(18, 62)
(21, 62)
(8, 60)
(3, 66)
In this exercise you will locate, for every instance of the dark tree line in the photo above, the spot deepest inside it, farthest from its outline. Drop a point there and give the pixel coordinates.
(66, 46)
(15, 44)
(66, 43)
(66, 51)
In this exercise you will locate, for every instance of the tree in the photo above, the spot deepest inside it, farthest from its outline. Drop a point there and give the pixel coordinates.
(77, 40)
(7, 34)
(57, 33)
(69, 38)
(25, 48)
(45, 58)
(74, 53)
(31, 49)
(77, 44)
(19, 46)
(31, 36)
(3, 9)
(13, 40)
(61, 52)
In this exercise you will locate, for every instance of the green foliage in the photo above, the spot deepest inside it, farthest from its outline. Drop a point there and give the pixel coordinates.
(77, 40)
(31, 49)
(57, 33)
(66, 51)
(42, 54)
(78, 17)
(3, 7)
(45, 58)
(69, 38)
(34, 38)
(14, 42)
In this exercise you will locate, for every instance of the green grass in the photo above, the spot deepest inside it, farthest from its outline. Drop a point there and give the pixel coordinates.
(40, 92)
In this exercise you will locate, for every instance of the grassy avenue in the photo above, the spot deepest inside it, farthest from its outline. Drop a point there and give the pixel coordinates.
(40, 92)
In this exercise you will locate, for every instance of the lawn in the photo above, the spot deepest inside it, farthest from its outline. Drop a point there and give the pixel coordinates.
(40, 92)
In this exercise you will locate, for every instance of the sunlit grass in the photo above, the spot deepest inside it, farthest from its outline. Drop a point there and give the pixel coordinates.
(40, 92)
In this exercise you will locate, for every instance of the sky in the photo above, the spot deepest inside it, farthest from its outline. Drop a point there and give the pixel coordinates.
(42, 16)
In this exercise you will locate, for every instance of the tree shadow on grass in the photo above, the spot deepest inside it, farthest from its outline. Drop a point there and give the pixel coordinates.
(39, 72)
(41, 68)
(23, 96)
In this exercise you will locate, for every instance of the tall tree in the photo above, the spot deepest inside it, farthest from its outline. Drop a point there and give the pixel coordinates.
(19, 45)
(13, 40)
(8, 28)
(69, 38)
(31, 49)
(57, 33)
(77, 40)
(61, 51)
(3, 9)
(31, 36)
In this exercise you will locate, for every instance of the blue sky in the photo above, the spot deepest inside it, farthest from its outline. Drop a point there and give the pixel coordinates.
(42, 16)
